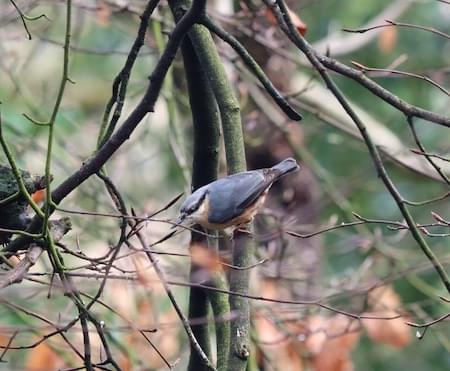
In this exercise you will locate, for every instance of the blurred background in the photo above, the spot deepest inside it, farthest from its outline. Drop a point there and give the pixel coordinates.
(362, 269)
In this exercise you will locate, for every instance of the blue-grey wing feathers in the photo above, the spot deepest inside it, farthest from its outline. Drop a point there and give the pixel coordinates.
(285, 167)
(230, 196)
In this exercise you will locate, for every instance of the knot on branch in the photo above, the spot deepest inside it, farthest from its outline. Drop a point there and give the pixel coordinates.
(243, 352)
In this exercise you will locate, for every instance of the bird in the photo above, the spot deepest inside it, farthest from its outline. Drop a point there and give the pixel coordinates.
(232, 201)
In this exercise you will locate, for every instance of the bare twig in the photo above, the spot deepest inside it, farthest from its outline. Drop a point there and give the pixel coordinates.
(398, 24)
(121, 81)
(402, 73)
(426, 202)
(146, 105)
(384, 94)
(11, 339)
(430, 155)
(25, 18)
(289, 29)
(430, 323)
(58, 229)
(254, 67)
(177, 308)
(423, 150)
(17, 274)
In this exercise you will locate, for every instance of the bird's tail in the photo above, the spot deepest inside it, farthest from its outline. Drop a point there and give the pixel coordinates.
(284, 167)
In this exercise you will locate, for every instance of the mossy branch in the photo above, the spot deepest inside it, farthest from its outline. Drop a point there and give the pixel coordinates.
(235, 155)
(146, 105)
(206, 123)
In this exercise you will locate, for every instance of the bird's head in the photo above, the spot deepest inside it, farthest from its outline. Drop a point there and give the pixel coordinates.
(194, 209)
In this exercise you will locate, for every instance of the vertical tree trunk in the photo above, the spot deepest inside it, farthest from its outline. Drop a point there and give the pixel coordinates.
(206, 121)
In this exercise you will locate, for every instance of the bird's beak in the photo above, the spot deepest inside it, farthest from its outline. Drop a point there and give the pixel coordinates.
(179, 221)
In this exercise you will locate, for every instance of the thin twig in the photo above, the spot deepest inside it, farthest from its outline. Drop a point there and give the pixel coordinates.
(399, 24)
(402, 73)
(121, 81)
(430, 323)
(426, 202)
(25, 18)
(384, 94)
(253, 66)
(52, 120)
(422, 148)
(177, 308)
(430, 155)
(324, 230)
(146, 105)
(289, 29)
(11, 339)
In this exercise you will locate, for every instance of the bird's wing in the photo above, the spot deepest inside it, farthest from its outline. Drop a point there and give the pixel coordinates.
(230, 196)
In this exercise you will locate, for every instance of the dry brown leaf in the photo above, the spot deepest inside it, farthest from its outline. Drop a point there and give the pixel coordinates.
(387, 39)
(269, 288)
(143, 272)
(384, 298)
(315, 334)
(327, 341)
(392, 332)
(146, 275)
(272, 289)
(125, 363)
(4, 340)
(278, 348)
(204, 258)
(330, 341)
(123, 298)
(385, 303)
(43, 357)
(298, 23)
(167, 339)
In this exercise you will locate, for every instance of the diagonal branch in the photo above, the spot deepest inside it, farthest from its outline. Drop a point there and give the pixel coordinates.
(58, 229)
(291, 32)
(379, 91)
(253, 66)
(146, 105)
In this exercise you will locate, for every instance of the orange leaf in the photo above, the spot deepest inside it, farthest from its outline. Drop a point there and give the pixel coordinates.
(204, 257)
(384, 298)
(387, 39)
(331, 341)
(146, 275)
(43, 357)
(298, 23)
(394, 332)
(38, 196)
(385, 303)
(277, 348)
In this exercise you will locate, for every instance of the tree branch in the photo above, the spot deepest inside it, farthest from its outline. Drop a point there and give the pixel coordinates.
(146, 105)
(291, 32)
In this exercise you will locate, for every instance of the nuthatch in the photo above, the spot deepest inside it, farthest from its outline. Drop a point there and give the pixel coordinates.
(234, 200)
